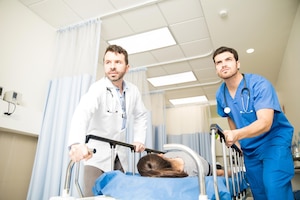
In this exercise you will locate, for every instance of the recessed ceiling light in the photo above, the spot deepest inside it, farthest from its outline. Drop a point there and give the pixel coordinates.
(172, 79)
(250, 50)
(146, 41)
(196, 99)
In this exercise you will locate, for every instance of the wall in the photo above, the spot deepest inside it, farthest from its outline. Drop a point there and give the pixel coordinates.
(17, 154)
(26, 54)
(288, 80)
(25, 59)
(288, 84)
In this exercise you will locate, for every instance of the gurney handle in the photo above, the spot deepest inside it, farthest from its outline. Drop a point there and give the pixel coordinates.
(219, 131)
(66, 191)
(113, 143)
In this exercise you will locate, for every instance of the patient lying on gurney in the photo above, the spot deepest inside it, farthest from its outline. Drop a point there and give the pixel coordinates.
(173, 164)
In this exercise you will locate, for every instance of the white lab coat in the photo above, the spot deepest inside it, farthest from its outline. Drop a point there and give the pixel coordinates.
(91, 117)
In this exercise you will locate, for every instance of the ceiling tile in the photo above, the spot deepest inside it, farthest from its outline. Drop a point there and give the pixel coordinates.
(183, 93)
(206, 75)
(178, 12)
(29, 2)
(115, 27)
(197, 30)
(197, 48)
(142, 59)
(177, 68)
(145, 19)
(155, 72)
(202, 63)
(168, 54)
(90, 8)
(56, 13)
(124, 4)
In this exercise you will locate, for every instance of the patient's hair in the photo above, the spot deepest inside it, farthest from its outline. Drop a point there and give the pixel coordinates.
(153, 165)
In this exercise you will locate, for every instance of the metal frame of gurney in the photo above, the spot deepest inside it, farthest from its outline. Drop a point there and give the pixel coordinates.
(113, 144)
(236, 163)
(234, 152)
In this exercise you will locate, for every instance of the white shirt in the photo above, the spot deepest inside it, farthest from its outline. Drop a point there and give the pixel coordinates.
(99, 113)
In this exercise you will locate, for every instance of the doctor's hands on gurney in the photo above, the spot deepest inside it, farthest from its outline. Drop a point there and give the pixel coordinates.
(231, 139)
(79, 152)
(139, 147)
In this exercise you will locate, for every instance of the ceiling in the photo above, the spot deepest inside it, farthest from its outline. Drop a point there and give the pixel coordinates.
(198, 29)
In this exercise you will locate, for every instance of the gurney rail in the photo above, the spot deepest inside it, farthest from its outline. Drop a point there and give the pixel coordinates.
(201, 176)
(234, 152)
(113, 144)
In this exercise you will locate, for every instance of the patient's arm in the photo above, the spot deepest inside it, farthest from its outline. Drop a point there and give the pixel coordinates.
(221, 172)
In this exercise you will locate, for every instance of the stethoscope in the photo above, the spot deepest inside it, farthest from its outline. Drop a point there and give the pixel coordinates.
(111, 103)
(245, 105)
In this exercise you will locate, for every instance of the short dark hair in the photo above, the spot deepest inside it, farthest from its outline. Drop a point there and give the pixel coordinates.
(118, 49)
(225, 49)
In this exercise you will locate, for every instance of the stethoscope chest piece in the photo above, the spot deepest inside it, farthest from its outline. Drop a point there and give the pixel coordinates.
(227, 110)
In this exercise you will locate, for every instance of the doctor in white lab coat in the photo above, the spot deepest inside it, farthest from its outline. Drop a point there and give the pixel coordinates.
(105, 110)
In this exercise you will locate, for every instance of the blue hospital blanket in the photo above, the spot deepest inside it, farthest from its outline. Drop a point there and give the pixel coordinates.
(128, 187)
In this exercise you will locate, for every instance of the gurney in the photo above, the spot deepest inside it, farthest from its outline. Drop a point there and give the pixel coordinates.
(130, 186)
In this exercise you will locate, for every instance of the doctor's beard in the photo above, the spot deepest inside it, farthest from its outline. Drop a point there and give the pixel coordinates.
(116, 77)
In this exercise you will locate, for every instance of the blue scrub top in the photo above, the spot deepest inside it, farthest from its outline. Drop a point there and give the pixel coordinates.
(243, 112)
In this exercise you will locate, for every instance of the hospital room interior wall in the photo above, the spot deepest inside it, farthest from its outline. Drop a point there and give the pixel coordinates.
(288, 84)
(26, 60)
(17, 154)
(26, 48)
(288, 79)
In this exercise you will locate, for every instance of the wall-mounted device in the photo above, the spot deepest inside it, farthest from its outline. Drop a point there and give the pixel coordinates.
(1, 92)
(12, 97)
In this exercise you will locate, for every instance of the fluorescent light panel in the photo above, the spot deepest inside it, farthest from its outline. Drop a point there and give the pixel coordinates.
(172, 79)
(146, 41)
(196, 99)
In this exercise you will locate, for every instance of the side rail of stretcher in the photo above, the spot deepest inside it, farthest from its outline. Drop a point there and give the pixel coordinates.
(113, 144)
(194, 155)
(237, 185)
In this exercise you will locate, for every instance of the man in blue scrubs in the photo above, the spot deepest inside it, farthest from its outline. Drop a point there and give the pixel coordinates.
(258, 125)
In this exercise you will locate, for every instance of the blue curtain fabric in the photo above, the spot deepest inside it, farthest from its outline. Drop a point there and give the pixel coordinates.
(199, 142)
(73, 74)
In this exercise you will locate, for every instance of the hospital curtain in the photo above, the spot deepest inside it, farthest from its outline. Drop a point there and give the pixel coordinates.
(190, 126)
(75, 64)
(154, 103)
(158, 113)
